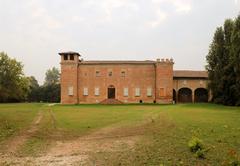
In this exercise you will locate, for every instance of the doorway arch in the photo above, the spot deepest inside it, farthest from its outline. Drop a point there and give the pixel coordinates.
(185, 95)
(111, 92)
(201, 95)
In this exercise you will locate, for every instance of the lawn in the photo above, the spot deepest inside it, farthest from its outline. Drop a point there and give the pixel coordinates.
(15, 117)
(126, 134)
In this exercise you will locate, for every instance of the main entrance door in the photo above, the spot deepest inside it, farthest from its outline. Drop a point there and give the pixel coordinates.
(111, 92)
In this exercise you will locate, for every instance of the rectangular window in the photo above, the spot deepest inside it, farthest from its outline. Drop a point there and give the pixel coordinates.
(71, 57)
(125, 92)
(85, 91)
(96, 91)
(97, 73)
(149, 92)
(123, 73)
(110, 73)
(161, 92)
(70, 91)
(137, 92)
(65, 57)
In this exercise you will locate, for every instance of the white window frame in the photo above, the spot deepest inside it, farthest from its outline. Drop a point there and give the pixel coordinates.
(70, 91)
(97, 91)
(137, 92)
(125, 92)
(85, 91)
(149, 92)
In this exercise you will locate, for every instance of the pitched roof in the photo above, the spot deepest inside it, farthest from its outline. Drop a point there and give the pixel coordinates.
(190, 74)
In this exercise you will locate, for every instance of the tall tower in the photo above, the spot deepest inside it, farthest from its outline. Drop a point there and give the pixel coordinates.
(69, 77)
(164, 81)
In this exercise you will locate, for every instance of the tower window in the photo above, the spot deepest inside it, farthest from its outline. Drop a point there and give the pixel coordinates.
(71, 57)
(110, 74)
(65, 57)
(70, 91)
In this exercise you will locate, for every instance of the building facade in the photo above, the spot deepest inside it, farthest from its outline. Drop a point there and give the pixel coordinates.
(125, 81)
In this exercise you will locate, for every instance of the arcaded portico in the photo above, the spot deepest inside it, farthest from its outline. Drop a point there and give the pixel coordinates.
(190, 86)
(112, 82)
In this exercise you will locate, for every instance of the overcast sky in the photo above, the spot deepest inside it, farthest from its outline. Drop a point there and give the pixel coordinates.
(34, 31)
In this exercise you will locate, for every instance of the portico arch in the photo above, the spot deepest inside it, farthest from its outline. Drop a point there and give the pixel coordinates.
(201, 95)
(185, 95)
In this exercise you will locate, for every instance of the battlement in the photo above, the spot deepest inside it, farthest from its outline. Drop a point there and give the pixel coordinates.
(170, 61)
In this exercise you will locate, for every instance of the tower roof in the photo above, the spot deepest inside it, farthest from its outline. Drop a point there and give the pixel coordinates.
(69, 53)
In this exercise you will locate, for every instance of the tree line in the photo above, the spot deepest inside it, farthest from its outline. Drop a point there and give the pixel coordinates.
(223, 63)
(16, 87)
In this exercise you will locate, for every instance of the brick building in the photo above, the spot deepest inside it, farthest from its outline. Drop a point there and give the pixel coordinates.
(128, 81)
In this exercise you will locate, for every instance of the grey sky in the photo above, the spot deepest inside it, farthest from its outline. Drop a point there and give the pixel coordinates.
(34, 31)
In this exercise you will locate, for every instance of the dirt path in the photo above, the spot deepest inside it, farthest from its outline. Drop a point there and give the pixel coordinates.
(78, 151)
(72, 152)
(16, 142)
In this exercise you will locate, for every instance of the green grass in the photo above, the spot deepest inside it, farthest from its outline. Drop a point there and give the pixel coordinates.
(15, 117)
(164, 130)
(84, 118)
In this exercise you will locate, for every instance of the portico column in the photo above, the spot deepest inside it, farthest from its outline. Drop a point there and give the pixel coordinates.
(193, 96)
(176, 96)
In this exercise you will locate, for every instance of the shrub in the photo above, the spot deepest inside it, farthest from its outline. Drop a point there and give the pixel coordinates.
(200, 153)
(234, 163)
(196, 146)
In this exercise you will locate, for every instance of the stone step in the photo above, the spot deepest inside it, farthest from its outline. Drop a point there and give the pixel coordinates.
(111, 101)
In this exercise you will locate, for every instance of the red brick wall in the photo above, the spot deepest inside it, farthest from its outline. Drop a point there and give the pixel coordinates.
(69, 78)
(164, 81)
(136, 76)
(157, 76)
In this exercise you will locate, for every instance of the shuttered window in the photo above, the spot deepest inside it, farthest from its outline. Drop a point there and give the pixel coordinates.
(149, 92)
(137, 92)
(85, 91)
(162, 92)
(125, 92)
(70, 91)
(96, 91)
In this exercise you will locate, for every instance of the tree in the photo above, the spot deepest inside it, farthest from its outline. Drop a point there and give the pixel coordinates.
(235, 54)
(13, 83)
(52, 76)
(34, 89)
(229, 75)
(50, 91)
(223, 63)
(216, 63)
